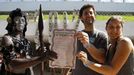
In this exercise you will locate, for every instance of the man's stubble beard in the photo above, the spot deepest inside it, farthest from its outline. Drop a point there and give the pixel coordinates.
(88, 22)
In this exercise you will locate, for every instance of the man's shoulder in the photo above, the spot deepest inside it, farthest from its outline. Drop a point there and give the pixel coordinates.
(6, 40)
(101, 33)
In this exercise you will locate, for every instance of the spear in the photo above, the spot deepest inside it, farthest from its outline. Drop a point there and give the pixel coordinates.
(40, 28)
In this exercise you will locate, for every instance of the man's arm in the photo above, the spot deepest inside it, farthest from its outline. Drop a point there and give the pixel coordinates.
(96, 53)
(20, 63)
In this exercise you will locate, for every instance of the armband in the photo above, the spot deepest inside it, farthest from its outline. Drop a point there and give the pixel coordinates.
(86, 64)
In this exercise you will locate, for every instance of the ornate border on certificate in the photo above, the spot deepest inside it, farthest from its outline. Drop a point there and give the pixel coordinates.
(64, 44)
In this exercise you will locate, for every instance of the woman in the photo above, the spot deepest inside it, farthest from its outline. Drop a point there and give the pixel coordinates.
(119, 57)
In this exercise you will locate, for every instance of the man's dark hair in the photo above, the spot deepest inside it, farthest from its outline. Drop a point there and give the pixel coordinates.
(85, 7)
(11, 25)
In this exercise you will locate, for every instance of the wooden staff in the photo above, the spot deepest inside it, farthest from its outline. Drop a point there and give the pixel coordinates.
(40, 28)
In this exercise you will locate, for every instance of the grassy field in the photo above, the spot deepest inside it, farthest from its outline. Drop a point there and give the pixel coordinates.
(129, 18)
(126, 18)
(3, 17)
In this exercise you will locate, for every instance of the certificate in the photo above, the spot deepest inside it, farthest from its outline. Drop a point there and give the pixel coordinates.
(64, 44)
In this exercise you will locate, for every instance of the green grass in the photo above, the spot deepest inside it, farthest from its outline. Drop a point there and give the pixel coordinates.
(3, 17)
(102, 17)
(127, 18)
